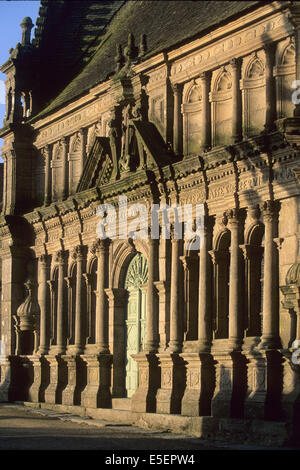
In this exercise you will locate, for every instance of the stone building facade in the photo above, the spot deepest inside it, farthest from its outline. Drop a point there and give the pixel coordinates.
(164, 103)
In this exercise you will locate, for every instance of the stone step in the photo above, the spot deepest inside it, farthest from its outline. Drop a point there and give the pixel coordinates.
(121, 403)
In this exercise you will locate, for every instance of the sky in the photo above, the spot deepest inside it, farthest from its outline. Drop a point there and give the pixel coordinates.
(12, 13)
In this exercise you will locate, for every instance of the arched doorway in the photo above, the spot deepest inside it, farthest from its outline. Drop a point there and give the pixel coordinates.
(135, 283)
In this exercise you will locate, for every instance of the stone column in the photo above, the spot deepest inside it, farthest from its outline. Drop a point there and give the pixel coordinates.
(47, 191)
(206, 122)
(235, 311)
(97, 393)
(61, 334)
(177, 126)
(144, 399)
(270, 330)
(101, 249)
(152, 305)
(163, 288)
(236, 101)
(79, 256)
(270, 87)
(175, 342)
(199, 362)
(204, 303)
(170, 394)
(44, 314)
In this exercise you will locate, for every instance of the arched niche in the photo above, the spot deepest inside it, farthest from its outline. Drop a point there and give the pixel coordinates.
(57, 172)
(221, 261)
(221, 107)
(253, 94)
(75, 162)
(285, 74)
(192, 117)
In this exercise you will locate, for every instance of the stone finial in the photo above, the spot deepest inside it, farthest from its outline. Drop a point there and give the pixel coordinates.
(142, 45)
(131, 49)
(119, 58)
(26, 26)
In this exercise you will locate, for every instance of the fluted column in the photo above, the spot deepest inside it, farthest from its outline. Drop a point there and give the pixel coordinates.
(44, 334)
(79, 256)
(177, 122)
(175, 314)
(101, 249)
(270, 87)
(204, 313)
(152, 305)
(235, 311)
(270, 330)
(61, 339)
(236, 101)
(47, 192)
(206, 125)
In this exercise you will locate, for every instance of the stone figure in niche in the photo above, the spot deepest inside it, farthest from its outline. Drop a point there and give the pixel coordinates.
(113, 138)
(127, 139)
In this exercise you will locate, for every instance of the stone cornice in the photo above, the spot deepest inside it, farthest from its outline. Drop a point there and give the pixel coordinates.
(247, 19)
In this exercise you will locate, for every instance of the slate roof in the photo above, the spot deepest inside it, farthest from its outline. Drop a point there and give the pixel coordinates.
(79, 38)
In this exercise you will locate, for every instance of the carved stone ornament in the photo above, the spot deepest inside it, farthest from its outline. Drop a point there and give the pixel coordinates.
(28, 312)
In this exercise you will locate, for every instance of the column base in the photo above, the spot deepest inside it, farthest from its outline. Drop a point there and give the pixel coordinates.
(265, 374)
(71, 395)
(97, 392)
(269, 343)
(231, 385)
(58, 379)
(200, 377)
(173, 376)
(144, 399)
(41, 378)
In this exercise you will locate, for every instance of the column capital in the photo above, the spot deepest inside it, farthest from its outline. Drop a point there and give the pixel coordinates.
(44, 259)
(46, 150)
(60, 257)
(79, 252)
(269, 48)
(204, 76)
(233, 216)
(235, 63)
(269, 209)
(100, 246)
(177, 87)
